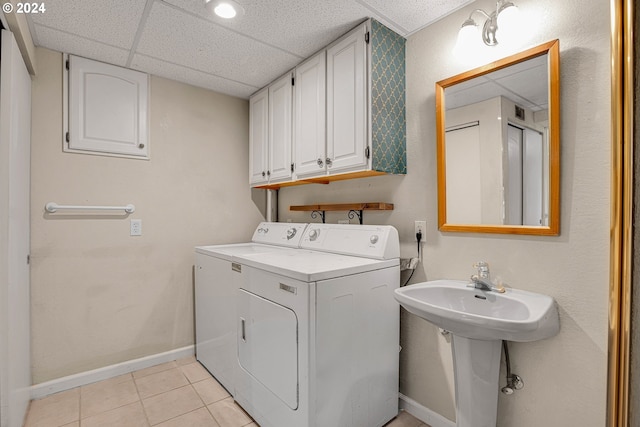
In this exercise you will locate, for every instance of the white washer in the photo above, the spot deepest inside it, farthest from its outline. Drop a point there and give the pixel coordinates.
(215, 296)
(318, 330)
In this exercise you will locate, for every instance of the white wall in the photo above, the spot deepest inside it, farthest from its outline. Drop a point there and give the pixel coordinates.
(488, 162)
(99, 296)
(565, 376)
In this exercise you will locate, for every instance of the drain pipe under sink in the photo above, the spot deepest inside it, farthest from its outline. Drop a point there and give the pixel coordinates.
(514, 382)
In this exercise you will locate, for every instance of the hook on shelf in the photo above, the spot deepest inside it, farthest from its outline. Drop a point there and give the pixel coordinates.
(315, 214)
(355, 213)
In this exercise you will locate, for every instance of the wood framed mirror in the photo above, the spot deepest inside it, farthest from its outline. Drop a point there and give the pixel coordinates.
(498, 146)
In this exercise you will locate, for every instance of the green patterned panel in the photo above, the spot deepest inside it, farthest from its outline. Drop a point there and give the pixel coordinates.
(388, 112)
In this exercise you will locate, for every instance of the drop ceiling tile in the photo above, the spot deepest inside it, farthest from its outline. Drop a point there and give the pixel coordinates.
(68, 43)
(193, 77)
(301, 27)
(191, 41)
(112, 22)
(460, 95)
(532, 84)
(533, 63)
(408, 16)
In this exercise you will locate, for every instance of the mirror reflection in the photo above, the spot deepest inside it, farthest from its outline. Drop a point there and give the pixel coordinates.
(498, 146)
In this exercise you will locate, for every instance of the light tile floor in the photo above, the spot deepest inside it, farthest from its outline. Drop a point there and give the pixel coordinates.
(176, 394)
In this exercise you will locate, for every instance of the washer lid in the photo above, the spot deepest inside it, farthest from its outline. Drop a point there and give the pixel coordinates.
(227, 252)
(268, 236)
(312, 266)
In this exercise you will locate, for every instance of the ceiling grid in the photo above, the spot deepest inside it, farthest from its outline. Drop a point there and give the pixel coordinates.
(182, 40)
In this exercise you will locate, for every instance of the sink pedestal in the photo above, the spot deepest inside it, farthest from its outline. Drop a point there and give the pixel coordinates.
(477, 372)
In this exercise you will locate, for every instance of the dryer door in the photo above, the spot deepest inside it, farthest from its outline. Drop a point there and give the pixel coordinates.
(267, 345)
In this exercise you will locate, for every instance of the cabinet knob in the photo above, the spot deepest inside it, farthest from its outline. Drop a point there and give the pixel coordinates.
(263, 174)
(268, 173)
(141, 146)
(320, 163)
(329, 162)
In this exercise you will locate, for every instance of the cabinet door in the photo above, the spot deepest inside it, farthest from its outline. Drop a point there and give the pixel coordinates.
(258, 137)
(280, 129)
(108, 109)
(310, 117)
(346, 103)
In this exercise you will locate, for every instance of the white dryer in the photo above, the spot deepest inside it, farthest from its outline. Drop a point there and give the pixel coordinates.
(318, 330)
(215, 296)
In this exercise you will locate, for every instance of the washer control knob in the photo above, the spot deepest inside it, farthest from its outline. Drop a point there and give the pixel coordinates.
(291, 233)
(374, 239)
(313, 234)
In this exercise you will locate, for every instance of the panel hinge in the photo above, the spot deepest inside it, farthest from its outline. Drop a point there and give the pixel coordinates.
(66, 137)
(293, 81)
(67, 64)
(292, 167)
(28, 259)
(367, 152)
(366, 37)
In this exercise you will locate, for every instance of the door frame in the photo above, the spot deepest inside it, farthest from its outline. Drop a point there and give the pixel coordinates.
(15, 144)
(621, 252)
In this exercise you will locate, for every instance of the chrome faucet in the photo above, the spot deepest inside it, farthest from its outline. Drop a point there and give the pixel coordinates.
(482, 280)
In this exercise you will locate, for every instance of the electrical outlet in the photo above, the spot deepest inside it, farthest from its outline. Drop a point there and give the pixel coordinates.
(136, 227)
(420, 226)
(408, 263)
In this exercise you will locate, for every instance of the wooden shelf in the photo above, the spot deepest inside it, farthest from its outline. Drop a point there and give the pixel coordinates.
(327, 179)
(345, 207)
(354, 209)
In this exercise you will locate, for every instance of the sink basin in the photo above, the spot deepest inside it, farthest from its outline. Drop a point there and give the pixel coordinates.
(483, 315)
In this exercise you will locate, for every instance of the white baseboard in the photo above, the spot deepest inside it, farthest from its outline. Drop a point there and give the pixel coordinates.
(423, 413)
(83, 378)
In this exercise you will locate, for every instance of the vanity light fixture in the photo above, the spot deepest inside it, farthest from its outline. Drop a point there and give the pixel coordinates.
(224, 8)
(503, 18)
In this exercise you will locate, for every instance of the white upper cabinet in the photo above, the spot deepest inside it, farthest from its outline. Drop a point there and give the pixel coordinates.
(259, 137)
(310, 117)
(270, 133)
(349, 116)
(108, 111)
(347, 103)
(280, 129)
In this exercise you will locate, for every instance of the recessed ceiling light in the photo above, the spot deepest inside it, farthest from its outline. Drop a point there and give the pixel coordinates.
(224, 8)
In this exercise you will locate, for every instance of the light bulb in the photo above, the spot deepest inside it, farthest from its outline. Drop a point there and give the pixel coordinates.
(225, 10)
(508, 22)
(468, 40)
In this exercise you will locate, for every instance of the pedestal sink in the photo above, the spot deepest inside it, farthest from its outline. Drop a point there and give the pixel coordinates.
(479, 321)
